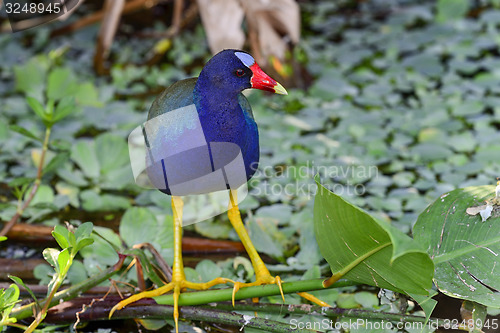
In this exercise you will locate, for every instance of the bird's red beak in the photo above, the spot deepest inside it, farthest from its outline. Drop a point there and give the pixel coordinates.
(262, 81)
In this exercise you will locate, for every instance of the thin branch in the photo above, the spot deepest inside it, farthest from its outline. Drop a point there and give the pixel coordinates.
(176, 18)
(164, 267)
(130, 7)
(164, 44)
(112, 14)
(6, 228)
(22, 268)
(16, 325)
(31, 233)
(190, 14)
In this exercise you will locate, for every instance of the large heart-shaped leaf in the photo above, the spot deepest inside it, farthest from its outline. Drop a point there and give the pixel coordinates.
(360, 248)
(464, 249)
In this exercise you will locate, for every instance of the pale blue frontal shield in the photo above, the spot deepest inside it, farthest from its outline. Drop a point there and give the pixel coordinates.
(170, 153)
(245, 58)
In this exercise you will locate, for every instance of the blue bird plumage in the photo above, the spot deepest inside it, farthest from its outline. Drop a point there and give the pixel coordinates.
(199, 125)
(201, 137)
(223, 112)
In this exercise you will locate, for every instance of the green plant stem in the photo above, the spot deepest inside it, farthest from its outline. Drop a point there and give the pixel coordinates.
(16, 325)
(336, 276)
(6, 228)
(67, 294)
(40, 316)
(221, 295)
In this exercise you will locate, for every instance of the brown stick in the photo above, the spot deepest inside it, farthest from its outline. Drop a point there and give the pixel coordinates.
(39, 233)
(22, 268)
(189, 16)
(112, 13)
(164, 267)
(176, 18)
(130, 7)
(191, 244)
(31, 232)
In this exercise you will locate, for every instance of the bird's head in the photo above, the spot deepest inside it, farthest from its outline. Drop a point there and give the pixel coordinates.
(235, 70)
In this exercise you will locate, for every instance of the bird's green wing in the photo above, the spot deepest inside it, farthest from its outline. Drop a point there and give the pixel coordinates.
(178, 95)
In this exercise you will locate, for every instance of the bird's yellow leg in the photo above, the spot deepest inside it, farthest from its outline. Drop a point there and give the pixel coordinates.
(262, 274)
(313, 299)
(178, 282)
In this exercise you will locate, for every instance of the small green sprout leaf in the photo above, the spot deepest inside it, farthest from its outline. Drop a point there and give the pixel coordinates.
(8, 298)
(21, 283)
(21, 181)
(36, 106)
(61, 82)
(24, 131)
(60, 239)
(82, 243)
(49, 110)
(51, 255)
(84, 230)
(65, 106)
(56, 162)
(64, 261)
(53, 284)
(71, 239)
(61, 234)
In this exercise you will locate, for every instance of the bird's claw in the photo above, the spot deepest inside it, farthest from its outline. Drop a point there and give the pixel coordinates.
(261, 280)
(177, 286)
(145, 294)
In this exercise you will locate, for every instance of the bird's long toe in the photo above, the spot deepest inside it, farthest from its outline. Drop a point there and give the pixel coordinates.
(145, 294)
(176, 286)
(261, 280)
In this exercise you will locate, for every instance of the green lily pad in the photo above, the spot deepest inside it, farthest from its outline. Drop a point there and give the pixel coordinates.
(93, 201)
(138, 225)
(449, 10)
(83, 154)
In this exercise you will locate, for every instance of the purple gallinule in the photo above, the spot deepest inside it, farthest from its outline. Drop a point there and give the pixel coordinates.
(195, 128)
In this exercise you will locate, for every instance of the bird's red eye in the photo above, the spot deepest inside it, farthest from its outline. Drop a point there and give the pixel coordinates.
(240, 72)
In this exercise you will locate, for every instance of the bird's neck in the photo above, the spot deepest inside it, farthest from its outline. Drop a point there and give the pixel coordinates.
(224, 120)
(212, 101)
(220, 113)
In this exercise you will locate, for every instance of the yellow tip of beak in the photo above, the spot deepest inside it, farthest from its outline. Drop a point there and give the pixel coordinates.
(278, 89)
